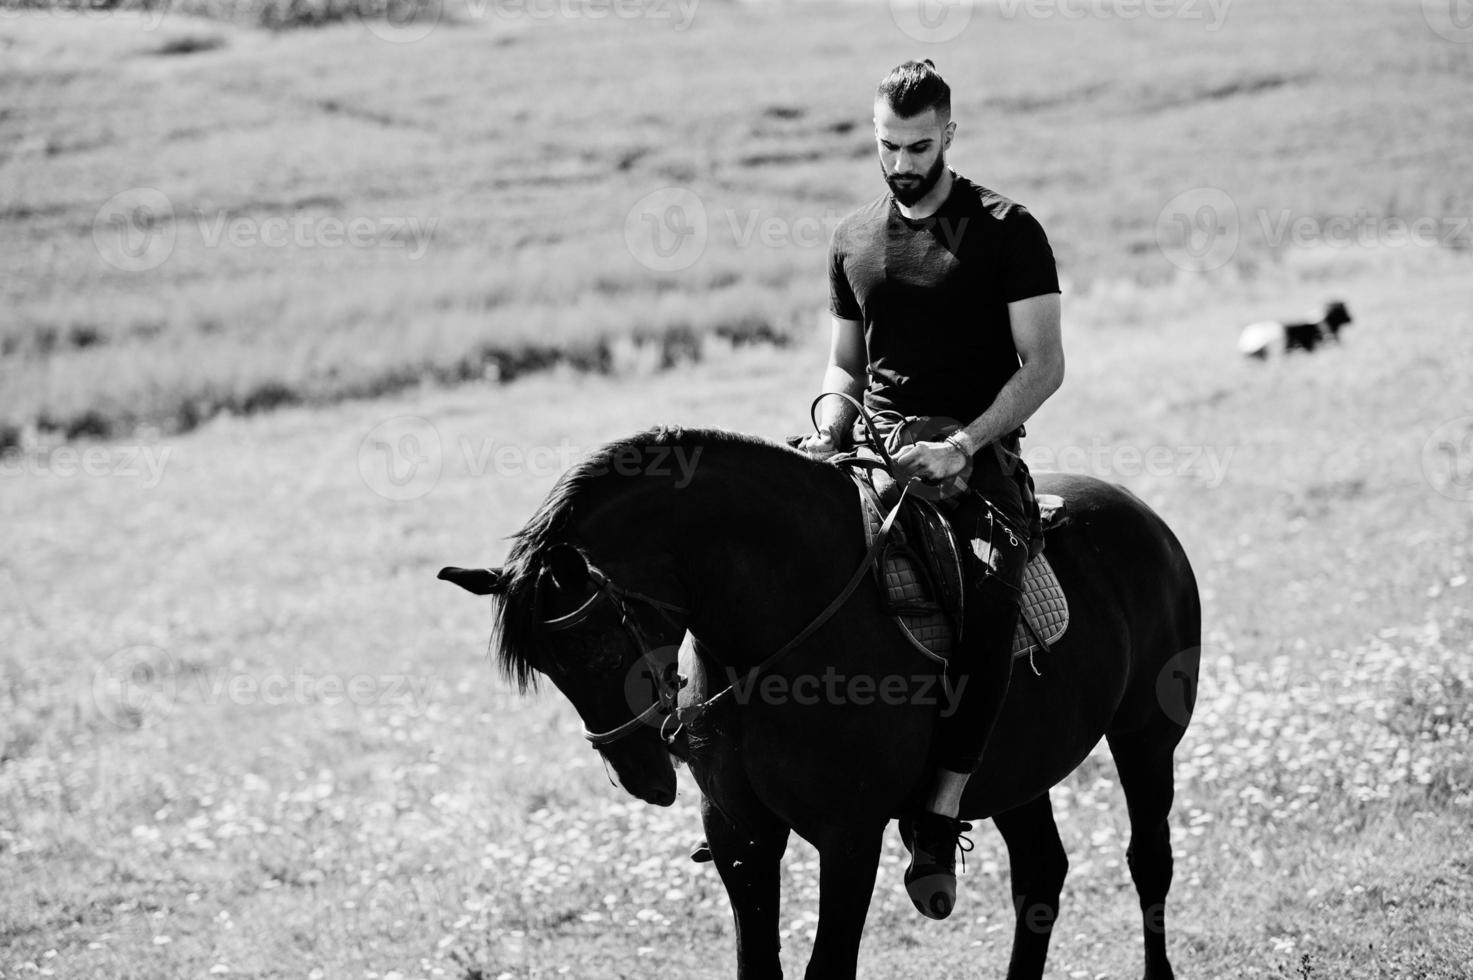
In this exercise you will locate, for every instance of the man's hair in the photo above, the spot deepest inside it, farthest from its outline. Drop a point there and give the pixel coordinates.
(912, 88)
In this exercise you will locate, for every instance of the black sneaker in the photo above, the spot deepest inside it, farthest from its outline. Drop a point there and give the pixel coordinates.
(701, 853)
(933, 841)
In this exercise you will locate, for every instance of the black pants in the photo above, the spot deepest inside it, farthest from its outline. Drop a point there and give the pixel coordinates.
(994, 516)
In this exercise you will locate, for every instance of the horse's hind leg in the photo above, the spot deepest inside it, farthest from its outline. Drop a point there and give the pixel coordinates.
(750, 863)
(1038, 865)
(1143, 760)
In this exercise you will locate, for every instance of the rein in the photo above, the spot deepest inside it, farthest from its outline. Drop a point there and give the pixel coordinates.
(666, 694)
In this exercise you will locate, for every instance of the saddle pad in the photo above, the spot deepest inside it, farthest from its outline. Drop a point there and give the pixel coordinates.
(1044, 607)
(910, 595)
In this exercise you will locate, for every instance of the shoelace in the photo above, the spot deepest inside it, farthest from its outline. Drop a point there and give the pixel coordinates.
(964, 845)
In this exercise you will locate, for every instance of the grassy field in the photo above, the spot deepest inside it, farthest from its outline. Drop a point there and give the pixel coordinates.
(198, 216)
(245, 733)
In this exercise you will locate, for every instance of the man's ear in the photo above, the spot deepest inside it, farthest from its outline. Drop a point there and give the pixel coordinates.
(568, 567)
(481, 581)
(947, 134)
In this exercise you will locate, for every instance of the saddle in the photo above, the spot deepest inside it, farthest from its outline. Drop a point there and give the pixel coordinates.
(919, 567)
(921, 576)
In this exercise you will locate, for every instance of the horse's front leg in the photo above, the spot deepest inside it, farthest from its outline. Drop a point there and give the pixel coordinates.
(848, 859)
(749, 859)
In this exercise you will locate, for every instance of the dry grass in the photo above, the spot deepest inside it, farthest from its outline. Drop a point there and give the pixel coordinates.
(498, 186)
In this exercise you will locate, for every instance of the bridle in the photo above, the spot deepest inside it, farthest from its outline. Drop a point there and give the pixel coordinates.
(667, 691)
(606, 590)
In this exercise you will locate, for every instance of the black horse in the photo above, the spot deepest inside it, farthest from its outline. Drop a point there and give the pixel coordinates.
(744, 548)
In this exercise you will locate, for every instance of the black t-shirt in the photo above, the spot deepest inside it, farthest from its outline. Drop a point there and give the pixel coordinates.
(933, 296)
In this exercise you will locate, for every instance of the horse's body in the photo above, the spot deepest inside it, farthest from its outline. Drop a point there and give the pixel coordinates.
(752, 548)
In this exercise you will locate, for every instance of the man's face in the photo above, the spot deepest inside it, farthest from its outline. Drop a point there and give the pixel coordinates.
(912, 151)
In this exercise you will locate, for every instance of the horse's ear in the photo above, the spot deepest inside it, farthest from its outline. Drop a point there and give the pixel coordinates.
(568, 567)
(481, 581)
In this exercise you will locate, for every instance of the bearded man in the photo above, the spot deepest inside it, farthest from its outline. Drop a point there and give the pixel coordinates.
(945, 304)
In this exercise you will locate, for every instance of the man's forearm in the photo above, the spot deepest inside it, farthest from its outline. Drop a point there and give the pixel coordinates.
(1028, 388)
(835, 415)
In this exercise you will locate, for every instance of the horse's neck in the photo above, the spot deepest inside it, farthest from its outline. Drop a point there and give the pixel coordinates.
(767, 538)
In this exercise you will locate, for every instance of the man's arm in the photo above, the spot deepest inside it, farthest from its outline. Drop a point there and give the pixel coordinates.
(1038, 337)
(1039, 341)
(847, 372)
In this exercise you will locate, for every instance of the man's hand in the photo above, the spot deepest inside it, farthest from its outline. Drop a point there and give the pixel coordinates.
(930, 461)
(820, 445)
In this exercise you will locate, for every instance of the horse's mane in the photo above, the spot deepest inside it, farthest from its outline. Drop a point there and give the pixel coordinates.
(519, 621)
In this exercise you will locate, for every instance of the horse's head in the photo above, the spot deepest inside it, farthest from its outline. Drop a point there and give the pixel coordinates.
(609, 649)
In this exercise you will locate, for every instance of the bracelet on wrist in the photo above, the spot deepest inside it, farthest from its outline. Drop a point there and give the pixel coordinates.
(960, 441)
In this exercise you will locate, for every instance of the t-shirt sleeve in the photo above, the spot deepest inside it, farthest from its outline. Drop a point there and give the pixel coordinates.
(1028, 260)
(842, 302)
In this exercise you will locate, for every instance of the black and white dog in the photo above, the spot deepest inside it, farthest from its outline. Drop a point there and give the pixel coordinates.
(1273, 337)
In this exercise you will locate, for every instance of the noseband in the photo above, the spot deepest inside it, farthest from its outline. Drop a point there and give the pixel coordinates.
(606, 590)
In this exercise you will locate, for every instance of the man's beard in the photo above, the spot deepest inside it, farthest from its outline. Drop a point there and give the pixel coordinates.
(909, 192)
